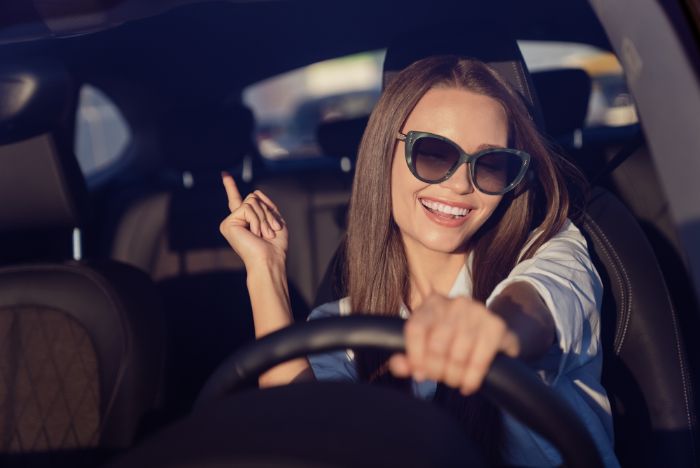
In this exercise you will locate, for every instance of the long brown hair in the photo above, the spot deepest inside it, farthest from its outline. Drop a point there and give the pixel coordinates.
(376, 273)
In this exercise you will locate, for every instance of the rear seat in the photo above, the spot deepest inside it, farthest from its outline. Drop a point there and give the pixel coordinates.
(173, 234)
(314, 205)
(154, 231)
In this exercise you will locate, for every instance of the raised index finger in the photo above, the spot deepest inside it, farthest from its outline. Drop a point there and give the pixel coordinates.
(234, 196)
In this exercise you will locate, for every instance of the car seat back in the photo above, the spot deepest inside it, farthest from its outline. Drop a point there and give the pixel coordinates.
(173, 230)
(645, 366)
(81, 343)
(314, 206)
(619, 160)
(173, 234)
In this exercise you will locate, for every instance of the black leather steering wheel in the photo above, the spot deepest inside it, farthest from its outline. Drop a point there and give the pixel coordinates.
(509, 383)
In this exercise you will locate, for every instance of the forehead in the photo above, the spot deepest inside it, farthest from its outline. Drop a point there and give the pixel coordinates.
(465, 117)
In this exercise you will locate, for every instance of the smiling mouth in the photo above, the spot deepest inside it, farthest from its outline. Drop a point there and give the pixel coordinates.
(447, 211)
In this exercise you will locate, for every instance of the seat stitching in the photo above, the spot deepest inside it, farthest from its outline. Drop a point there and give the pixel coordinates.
(687, 389)
(112, 298)
(628, 298)
(683, 369)
(626, 304)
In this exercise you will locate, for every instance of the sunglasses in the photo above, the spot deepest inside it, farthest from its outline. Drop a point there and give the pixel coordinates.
(434, 158)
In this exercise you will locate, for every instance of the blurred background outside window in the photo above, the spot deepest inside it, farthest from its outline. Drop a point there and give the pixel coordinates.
(290, 107)
(101, 133)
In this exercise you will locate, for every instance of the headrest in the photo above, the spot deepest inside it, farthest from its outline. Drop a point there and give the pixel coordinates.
(209, 139)
(486, 42)
(34, 99)
(41, 185)
(564, 96)
(341, 138)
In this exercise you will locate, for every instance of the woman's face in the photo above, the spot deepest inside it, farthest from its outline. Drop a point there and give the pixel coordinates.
(472, 121)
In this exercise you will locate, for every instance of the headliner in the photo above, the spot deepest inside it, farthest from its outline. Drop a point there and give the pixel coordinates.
(226, 45)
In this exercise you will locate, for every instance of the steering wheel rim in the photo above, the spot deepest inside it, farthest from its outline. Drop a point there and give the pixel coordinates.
(509, 383)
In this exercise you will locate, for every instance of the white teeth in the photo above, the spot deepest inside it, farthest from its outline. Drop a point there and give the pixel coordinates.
(442, 208)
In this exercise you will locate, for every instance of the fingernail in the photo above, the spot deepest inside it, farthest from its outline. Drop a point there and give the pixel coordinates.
(224, 174)
(276, 224)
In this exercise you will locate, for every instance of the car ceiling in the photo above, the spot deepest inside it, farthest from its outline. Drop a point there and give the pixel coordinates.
(208, 50)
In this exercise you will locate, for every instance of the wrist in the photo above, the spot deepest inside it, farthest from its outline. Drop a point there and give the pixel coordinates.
(269, 296)
(266, 268)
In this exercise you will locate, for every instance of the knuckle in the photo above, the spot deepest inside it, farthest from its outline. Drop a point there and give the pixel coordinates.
(481, 362)
(414, 328)
(437, 345)
(460, 351)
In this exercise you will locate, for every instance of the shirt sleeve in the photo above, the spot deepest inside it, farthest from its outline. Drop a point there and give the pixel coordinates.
(337, 365)
(564, 276)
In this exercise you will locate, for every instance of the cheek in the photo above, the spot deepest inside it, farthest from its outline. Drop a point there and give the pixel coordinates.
(490, 204)
(404, 188)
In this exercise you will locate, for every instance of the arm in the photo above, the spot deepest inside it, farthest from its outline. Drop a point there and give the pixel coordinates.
(259, 236)
(269, 298)
(545, 300)
(527, 317)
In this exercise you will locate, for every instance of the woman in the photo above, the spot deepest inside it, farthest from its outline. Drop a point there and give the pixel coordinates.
(458, 223)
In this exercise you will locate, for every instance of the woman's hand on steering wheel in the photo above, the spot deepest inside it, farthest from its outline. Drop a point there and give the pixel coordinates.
(453, 341)
(254, 229)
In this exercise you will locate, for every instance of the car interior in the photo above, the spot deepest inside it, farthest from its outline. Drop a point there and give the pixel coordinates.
(119, 298)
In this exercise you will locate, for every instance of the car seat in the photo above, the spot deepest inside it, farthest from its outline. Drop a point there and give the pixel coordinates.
(174, 230)
(618, 159)
(645, 370)
(81, 343)
(173, 234)
(313, 204)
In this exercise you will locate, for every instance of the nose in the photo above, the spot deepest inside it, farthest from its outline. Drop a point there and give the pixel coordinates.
(460, 181)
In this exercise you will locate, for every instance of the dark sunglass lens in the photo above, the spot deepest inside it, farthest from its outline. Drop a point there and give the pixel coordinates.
(433, 158)
(496, 170)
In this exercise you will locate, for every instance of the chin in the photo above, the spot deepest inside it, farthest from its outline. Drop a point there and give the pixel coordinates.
(444, 243)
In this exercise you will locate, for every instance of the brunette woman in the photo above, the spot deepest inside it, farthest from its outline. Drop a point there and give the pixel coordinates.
(459, 223)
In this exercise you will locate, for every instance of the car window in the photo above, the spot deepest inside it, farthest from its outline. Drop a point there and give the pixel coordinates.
(610, 103)
(289, 108)
(101, 132)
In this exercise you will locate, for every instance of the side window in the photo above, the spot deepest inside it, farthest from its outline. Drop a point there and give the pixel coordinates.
(102, 133)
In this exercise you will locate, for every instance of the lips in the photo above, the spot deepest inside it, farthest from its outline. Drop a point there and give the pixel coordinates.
(446, 214)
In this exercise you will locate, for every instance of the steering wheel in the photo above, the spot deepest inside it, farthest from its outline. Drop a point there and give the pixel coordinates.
(509, 383)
